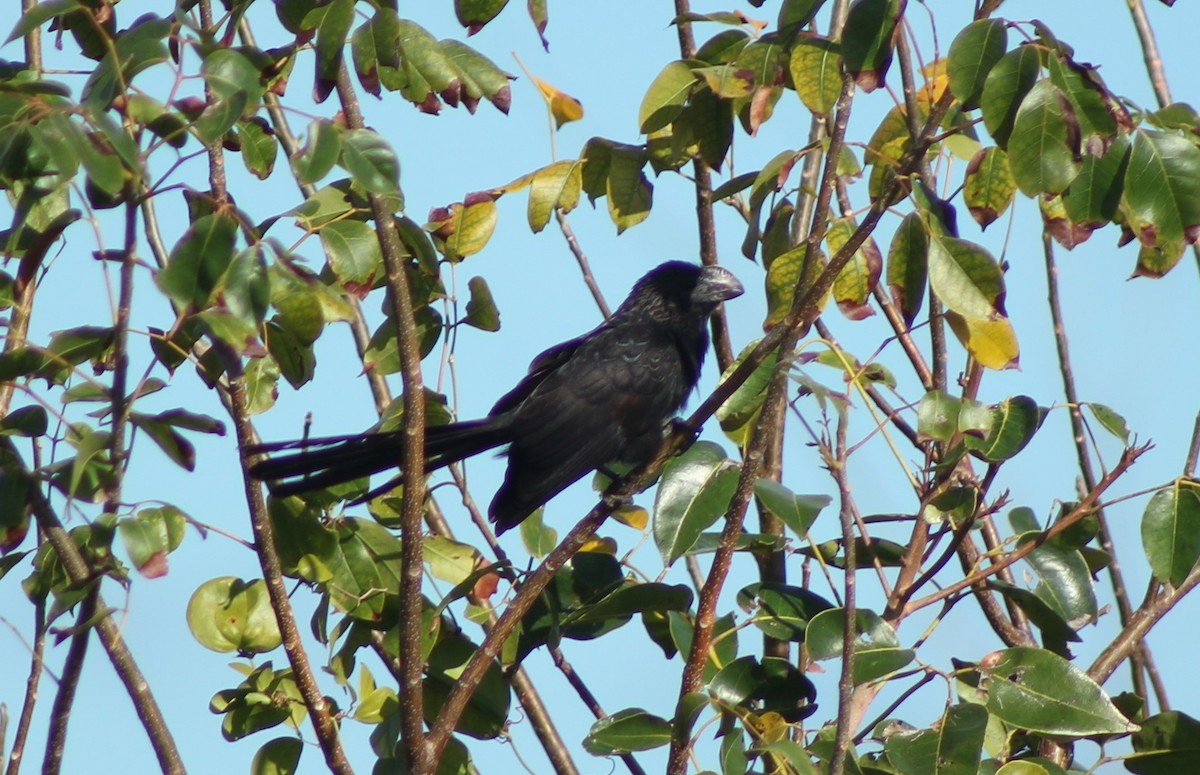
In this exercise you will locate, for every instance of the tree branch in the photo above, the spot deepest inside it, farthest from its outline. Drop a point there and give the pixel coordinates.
(412, 706)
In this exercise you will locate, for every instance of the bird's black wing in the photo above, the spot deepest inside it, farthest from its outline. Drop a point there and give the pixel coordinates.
(608, 399)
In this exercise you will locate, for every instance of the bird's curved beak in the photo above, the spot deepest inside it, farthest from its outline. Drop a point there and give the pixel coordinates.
(718, 284)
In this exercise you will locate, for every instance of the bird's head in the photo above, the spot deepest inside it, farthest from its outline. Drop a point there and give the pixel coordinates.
(680, 287)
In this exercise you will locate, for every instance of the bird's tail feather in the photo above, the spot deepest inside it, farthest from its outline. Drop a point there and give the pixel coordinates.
(326, 461)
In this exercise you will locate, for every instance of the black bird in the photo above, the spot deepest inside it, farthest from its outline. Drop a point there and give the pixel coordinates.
(602, 397)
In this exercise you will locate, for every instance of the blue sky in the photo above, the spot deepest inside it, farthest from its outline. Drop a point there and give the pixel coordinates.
(1131, 339)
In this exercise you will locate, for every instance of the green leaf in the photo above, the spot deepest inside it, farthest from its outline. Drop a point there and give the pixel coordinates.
(450, 561)
(262, 384)
(629, 599)
(280, 756)
(1067, 584)
(664, 100)
(332, 23)
(966, 277)
(780, 610)
(428, 66)
(382, 354)
(937, 416)
(1171, 531)
(237, 85)
(227, 614)
(1044, 146)
(539, 538)
(1167, 743)
(632, 729)
(629, 192)
(1090, 100)
(973, 54)
(1110, 420)
(38, 15)
(773, 685)
(908, 266)
(25, 421)
(1056, 632)
(724, 647)
(487, 710)
(815, 65)
(951, 747)
(170, 441)
(481, 308)
(877, 651)
(797, 13)
(354, 253)
(694, 492)
(1092, 199)
(480, 76)
(798, 512)
(1162, 193)
(474, 14)
(740, 410)
(371, 161)
(199, 260)
(990, 186)
(1039, 691)
(868, 39)
(555, 187)
(321, 150)
(259, 147)
(468, 229)
(1005, 89)
(150, 536)
(1013, 423)
(853, 285)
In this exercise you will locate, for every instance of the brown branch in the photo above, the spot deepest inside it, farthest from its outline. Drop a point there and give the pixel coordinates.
(1154, 63)
(324, 724)
(762, 435)
(64, 699)
(835, 461)
(1142, 658)
(413, 460)
(1134, 633)
(468, 681)
(702, 182)
(131, 677)
(581, 688)
(527, 694)
(1084, 508)
(581, 258)
(36, 661)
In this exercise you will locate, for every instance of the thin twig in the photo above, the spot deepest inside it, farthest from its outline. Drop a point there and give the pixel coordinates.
(581, 688)
(584, 267)
(131, 677)
(1154, 63)
(835, 461)
(1084, 508)
(1142, 658)
(37, 654)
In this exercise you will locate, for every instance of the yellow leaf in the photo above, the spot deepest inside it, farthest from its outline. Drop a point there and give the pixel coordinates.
(563, 106)
(601, 546)
(992, 341)
(634, 516)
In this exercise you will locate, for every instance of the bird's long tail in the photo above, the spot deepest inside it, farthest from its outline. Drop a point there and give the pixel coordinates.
(322, 462)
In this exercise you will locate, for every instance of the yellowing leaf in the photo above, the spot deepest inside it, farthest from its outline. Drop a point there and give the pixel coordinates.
(563, 106)
(634, 516)
(601, 546)
(993, 342)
